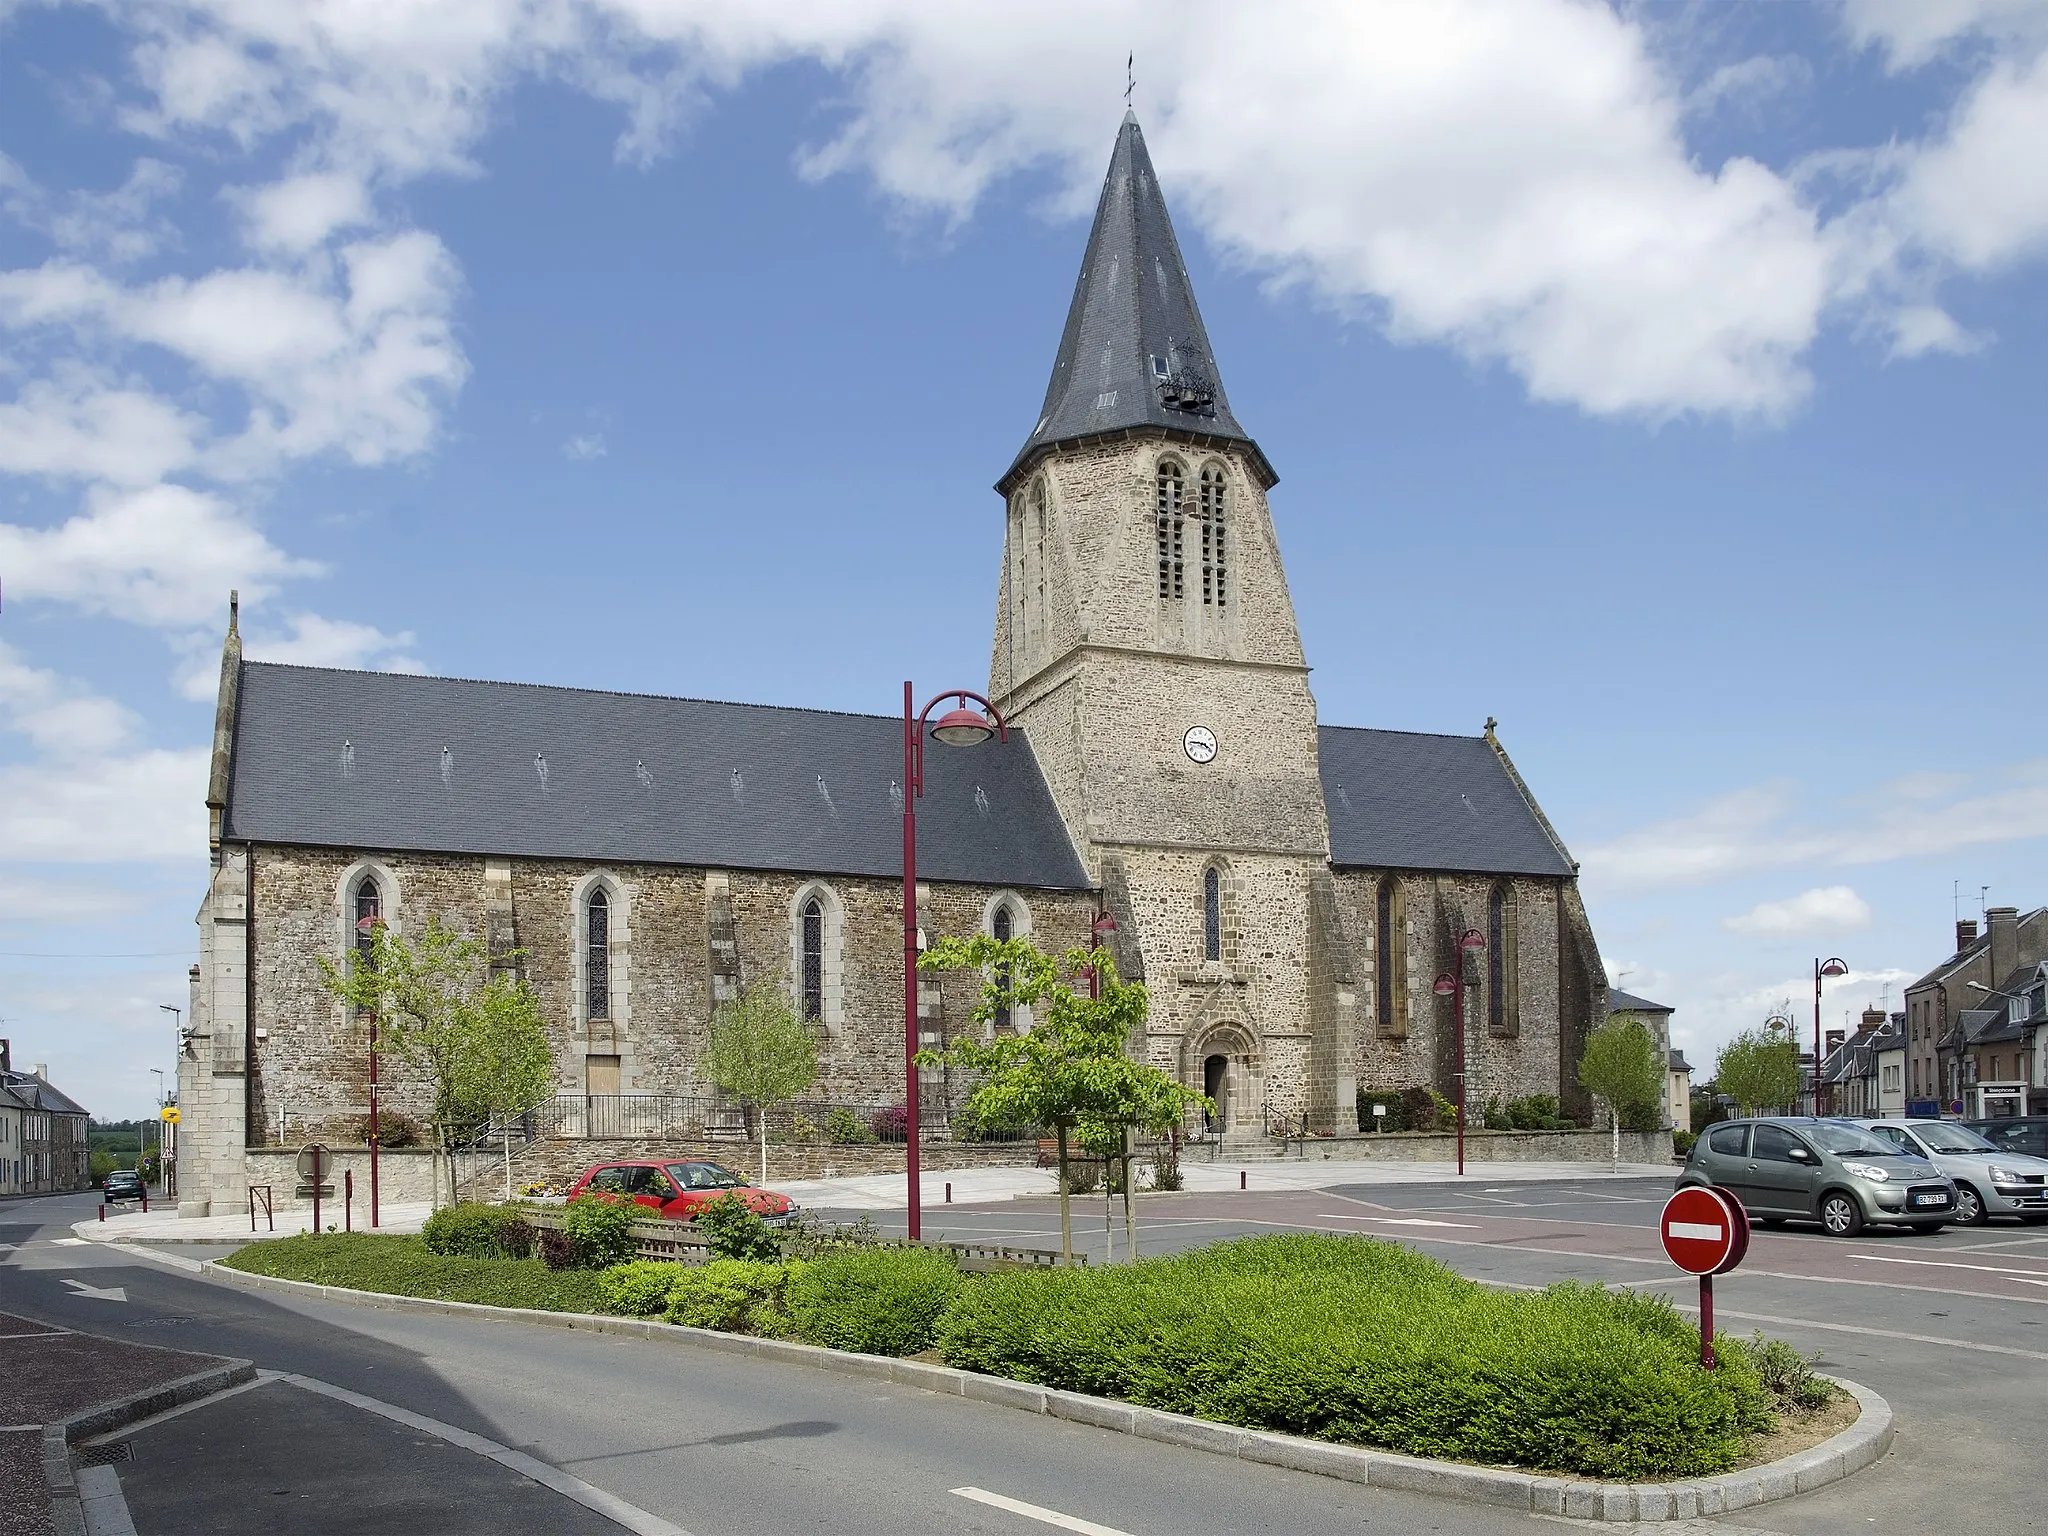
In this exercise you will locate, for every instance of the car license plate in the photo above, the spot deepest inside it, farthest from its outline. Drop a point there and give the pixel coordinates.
(1930, 1199)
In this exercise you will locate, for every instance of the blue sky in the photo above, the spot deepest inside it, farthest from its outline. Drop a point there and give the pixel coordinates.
(1664, 381)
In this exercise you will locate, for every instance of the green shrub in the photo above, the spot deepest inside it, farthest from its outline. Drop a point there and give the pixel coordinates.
(1166, 1166)
(736, 1231)
(881, 1301)
(405, 1266)
(844, 1127)
(1681, 1142)
(1084, 1175)
(637, 1289)
(1642, 1116)
(597, 1228)
(1365, 1342)
(465, 1231)
(1788, 1375)
(515, 1236)
(734, 1296)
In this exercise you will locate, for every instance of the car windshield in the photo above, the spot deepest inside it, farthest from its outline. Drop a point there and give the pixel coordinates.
(1952, 1138)
(1852, 1141)
(706, 1176)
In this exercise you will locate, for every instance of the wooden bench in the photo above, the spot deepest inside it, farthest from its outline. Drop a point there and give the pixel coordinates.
(1049, 1155)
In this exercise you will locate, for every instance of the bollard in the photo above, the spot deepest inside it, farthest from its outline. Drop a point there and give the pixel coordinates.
(103, 1210)
(145, 1199)
(348, 1200)
(1240, 1178)
(949, 1191)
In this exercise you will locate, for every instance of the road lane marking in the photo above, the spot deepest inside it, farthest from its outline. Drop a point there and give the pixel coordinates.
(96, 1292)
(590, 1496)
(2031, 1276)
(1398, 1221)
(1039, 1513)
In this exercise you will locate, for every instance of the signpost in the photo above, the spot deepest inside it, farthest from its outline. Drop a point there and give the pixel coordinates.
(1706, 1233)
(315, 1162)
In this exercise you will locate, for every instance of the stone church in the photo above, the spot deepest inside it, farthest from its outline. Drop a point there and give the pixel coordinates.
(1288, 891)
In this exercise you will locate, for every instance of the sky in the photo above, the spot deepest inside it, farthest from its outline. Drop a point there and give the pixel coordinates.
(1663, 380)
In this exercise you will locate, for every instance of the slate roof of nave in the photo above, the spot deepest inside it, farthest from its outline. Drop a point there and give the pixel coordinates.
(1133, 303)
(380, 760)
(1407, 800)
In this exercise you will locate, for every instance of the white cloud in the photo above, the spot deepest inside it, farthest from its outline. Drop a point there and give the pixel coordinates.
(318, 642)
(122, 225)
(301, 213)
(1754, 829)
(1824, 909)
(589, 445)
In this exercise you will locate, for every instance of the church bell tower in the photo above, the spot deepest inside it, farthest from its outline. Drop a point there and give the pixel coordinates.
(1146, 642)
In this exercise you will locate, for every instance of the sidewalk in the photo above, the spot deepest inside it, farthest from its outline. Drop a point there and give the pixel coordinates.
(890, 1191)
(167, 1226)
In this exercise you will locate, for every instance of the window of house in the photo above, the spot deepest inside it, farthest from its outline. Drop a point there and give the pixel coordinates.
(1210, 514)
(814, 958)
(1001, 928)
(1212, 914)
(1169, 511)
(597, 955)
(1390, 961)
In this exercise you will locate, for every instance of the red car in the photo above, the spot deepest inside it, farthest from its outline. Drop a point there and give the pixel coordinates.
(680, 1190)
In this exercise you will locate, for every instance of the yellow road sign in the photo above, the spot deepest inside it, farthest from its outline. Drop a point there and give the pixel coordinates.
(168, 1114)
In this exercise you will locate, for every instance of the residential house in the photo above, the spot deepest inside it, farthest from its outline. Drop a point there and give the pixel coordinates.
(1678, 1089)
(43, 1139)
(1864, 1074)
(1656, 1018)
(1942, 1063)
(2003, 1072)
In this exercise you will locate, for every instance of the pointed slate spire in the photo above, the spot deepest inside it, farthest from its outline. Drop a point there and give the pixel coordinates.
(1134, 353)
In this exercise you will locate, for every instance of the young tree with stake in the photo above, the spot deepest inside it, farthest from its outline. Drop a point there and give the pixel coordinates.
(1623, 1068)
(760, 1051)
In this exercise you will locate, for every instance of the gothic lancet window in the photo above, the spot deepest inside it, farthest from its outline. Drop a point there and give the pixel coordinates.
(1210, 514)
(1390, 961)
(1038, 534)
(1001, 929)
(369, 911)
(1212, 914)
(1502, 1010)
(1169, 512)
(814, 958)
(597, 956)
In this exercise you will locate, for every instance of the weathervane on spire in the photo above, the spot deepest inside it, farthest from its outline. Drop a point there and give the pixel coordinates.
(1130, 78)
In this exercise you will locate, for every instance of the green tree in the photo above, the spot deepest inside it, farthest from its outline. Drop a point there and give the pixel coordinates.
(1623, 1067)
(477, 1038)
(1759, 1069)
(1069, 1073)
(761, 1051)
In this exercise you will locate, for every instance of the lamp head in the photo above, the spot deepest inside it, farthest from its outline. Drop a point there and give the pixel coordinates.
(963, 727)
(1103, 924)
(1445, 986)
(1834, 968)
(1471, 938)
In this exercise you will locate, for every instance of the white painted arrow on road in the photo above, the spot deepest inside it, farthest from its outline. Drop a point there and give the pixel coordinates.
(95, 1292)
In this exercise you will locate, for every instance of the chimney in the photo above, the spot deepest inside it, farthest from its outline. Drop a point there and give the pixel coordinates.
(43, 1070)
(2005, 942)
(1835, 1038)
(1966, 933)
(6, 1053)
(1873, 1017)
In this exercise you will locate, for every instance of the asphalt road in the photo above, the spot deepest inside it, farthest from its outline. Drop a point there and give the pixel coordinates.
(715, 1444)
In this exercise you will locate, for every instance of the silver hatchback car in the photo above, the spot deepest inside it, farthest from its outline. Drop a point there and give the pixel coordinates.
(1989, 1180)
(1801, 1169)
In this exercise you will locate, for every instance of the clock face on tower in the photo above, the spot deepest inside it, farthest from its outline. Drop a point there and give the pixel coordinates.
(1199, 744)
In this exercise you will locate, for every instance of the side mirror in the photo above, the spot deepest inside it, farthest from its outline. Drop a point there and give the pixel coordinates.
(1801, 1155)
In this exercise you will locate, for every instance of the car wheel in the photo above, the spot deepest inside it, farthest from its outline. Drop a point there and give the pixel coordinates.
(1969, 1208)
(1840, 1214)
(1928, 1228)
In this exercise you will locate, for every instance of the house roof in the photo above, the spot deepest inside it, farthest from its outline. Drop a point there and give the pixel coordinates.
(1676, 1061)
(1406, 800)
(1134, 353)
(31, 1092)
(379, 760)
(1619, 1001)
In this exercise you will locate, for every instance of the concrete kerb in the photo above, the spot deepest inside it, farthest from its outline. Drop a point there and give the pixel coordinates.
(1853, 1449)
(59, 1435)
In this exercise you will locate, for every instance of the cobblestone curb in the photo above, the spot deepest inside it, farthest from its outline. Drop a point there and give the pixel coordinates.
(1829, 1462)
(59, 1435)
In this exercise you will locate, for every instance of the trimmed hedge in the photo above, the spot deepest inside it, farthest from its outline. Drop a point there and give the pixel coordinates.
(1365, 1342)
(734, 1296)
(637, 1289)
(405, 1266)
(465, 1231)
(877, 1301)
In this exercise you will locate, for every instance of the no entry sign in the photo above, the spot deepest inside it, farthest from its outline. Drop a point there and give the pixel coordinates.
(1705, 1232)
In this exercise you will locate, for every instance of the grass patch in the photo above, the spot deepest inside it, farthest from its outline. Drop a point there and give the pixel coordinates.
(405, 1266)
(1368, 1343)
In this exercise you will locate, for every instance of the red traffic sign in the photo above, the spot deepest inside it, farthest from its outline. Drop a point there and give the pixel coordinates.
(1705, 1230)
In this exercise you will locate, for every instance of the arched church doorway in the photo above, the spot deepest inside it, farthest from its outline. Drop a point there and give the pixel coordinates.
(1216, 1084)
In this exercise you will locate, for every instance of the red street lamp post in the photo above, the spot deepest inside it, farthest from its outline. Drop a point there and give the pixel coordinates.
(958, 727)
(370, 925)
(1829, 967)
(1453, 987)
(1103, 924)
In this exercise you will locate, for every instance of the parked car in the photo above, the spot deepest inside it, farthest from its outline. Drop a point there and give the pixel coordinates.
(2022, 1133)
(1796, 1168)
(680, 1190)
(1989, 1180)
(122, 1184)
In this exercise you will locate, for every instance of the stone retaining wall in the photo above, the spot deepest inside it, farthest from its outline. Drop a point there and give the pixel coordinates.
(1594, 1147)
